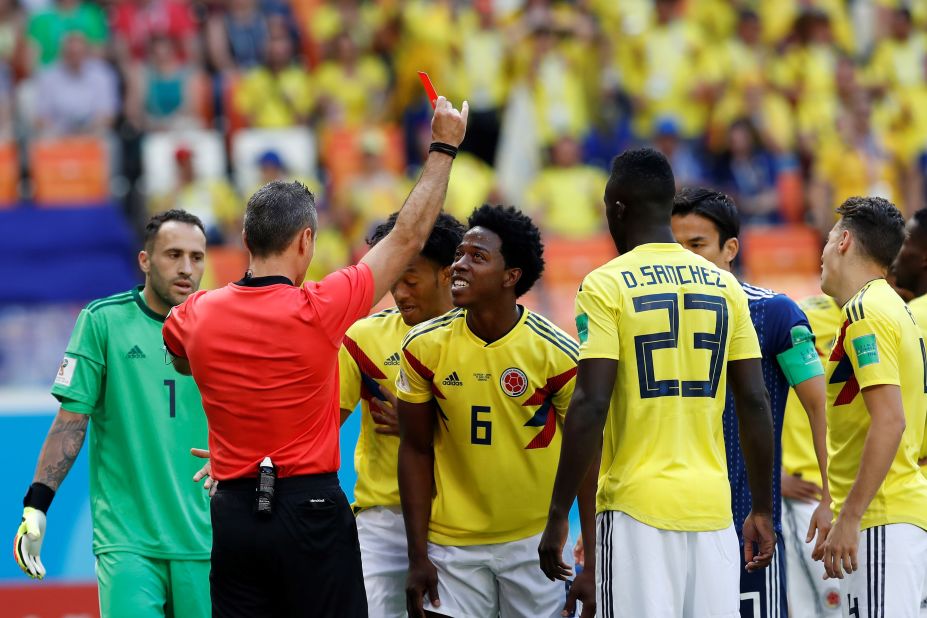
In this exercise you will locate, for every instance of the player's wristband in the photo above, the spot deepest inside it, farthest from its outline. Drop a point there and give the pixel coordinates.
(39, 497)
(443, 148)
(800, 362)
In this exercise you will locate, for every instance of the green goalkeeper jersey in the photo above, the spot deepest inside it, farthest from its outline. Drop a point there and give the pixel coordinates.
(145, 417)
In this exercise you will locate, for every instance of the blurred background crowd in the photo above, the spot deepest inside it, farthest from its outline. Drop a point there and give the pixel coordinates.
(788, 105)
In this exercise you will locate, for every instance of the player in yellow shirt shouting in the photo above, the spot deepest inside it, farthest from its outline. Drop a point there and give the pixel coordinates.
(661, 330)
(368, 365)
(876, 406)
(482, 393)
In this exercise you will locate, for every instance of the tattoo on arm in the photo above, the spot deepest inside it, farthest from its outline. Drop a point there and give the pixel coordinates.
(62, 445)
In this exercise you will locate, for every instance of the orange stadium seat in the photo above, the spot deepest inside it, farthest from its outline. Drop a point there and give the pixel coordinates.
(69, 171)
(567, 263)
(9, 174)
(791, 195)
(781, 251)
(341, 152)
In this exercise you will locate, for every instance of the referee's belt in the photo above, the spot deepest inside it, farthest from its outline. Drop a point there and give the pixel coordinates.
(288, 484)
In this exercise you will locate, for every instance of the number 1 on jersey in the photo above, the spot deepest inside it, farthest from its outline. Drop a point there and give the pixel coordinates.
(172, 395)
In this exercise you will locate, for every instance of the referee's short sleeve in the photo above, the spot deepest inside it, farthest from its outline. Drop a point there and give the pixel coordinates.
(173, 330)
(343, 297)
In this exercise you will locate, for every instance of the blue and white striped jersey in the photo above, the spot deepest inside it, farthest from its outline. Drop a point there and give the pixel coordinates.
(773, 316)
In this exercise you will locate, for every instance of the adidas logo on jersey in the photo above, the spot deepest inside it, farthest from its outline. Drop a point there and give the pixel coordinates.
(452, 380)
(135, 352)
(393, 360)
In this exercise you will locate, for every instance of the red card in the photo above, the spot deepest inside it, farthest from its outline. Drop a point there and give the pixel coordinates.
(429, 88)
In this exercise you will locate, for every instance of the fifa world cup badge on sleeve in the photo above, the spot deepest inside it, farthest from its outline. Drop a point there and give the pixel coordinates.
(867, 351)
(66, 371)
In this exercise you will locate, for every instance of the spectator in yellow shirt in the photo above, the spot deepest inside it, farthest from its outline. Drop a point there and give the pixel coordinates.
(898, 61)
(566, 197)
(673, 78)
(374, 192)
(852, 162)
(553, 76)
(352, 86)
(481, 77)
(278, 94)
(213, 200)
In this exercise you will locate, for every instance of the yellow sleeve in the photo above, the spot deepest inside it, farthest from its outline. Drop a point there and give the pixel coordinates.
(872, 347)
(744, 343)
(413, 384)
(349, 378)
(597, 319)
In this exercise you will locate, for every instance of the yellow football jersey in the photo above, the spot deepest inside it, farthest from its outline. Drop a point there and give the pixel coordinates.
(879, 343)
(798, 457)
(500, 412)
(672, 320)
(367, 362)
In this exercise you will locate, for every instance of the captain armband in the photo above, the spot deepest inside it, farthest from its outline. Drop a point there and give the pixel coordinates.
(800, 362)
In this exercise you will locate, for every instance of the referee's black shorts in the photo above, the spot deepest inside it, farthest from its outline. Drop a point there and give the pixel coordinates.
(304, 560)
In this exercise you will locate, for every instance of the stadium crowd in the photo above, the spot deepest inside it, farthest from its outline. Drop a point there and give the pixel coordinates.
(790, 106)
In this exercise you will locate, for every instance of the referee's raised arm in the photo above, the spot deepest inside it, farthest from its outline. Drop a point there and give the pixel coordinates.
(389, 257)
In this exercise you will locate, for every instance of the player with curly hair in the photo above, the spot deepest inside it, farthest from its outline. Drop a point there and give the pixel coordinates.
(482, 393)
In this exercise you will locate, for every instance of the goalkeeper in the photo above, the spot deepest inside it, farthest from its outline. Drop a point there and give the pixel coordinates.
(151, 531)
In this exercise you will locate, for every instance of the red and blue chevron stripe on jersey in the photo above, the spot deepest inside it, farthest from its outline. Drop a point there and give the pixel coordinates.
(544, 397)
(429, 375)
(369, 371)
(843, 372)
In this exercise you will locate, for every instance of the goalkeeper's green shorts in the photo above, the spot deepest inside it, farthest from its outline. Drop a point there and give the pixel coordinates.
(141, 587)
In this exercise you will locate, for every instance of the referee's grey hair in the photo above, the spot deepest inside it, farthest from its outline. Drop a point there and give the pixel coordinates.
(276, 213)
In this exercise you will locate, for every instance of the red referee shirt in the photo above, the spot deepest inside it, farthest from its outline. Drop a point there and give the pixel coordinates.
(264, 354)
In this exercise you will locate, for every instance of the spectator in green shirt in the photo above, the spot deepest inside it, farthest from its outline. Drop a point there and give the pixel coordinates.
(47, 29)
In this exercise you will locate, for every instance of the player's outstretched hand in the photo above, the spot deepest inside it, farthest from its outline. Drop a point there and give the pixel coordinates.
(839, 550)
(27, 546)
(582, 590)
(449, 125)
(550, 550)
(383, 413)
(759, 541)
(422, 580)
(210, 484)
(821, 522)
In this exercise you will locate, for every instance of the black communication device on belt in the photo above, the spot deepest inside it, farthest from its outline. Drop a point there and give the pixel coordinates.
(264, 498)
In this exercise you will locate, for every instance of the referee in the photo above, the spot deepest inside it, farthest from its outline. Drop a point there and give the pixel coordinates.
(264, 352)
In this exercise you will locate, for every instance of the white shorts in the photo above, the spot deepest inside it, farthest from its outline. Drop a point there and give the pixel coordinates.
(892, 569)
(645, 572)
(486, 581)
(382, 535)
(810, 595)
